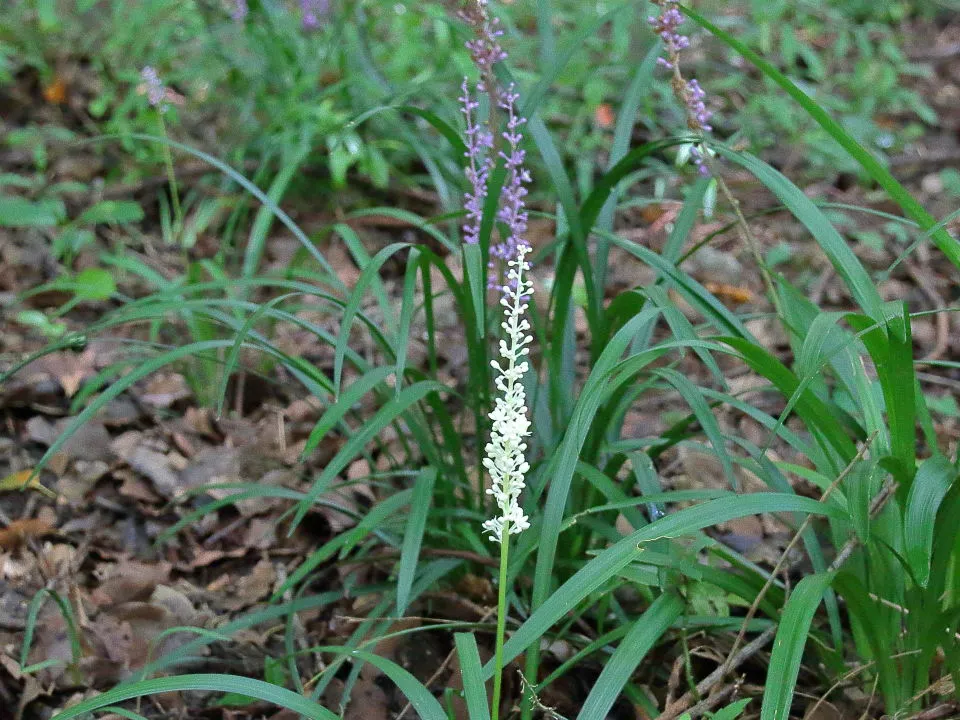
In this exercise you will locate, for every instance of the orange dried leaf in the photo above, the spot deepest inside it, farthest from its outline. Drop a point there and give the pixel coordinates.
(56, 91)
(603, 116)
(19, 531)
(732, 293)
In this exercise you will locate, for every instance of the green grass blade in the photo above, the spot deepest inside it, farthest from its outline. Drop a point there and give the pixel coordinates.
(250, 188)
(691, 290)
(407, 306)
(930, 485)
(646, 630)
(148, 366)
(386, 415)
(474, 689)
(941, 237)
(345, 540)
(704, 414)
(477, 281)
(347, 401)
(843, 259)
(362, 258)
(211, 683)
(413, 535)
(241, 337)
(367, 276)
(789, 645)
(576, 43)
(419, 696)
(257, 241)
(622, 135)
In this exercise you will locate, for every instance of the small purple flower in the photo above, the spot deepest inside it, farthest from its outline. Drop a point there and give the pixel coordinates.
(665, 25)
(240, 10)
(699, 159)
(698, 116)
(479, 144)
(312, 12)
(485, 48)
(513, 207)
(154, 88)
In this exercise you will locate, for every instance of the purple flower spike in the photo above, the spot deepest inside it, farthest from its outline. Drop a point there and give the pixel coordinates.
(312, 12)
(697, 114)
(666, 27)
(485, 49)
(513, 208)
(240, 10)
(154, 88)
(479, 144)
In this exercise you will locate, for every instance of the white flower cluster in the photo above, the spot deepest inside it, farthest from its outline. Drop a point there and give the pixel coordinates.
(505, 452)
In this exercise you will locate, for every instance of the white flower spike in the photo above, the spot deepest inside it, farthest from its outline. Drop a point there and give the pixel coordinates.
(505, 452)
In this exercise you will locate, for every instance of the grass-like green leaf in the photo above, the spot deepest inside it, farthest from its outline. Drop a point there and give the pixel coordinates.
(605, 565)
(646, 630)
(413, 535)
(789, 644)
(941, 237)
(386, 415)
(419, 696)
(212, 683)
(933, 480)
(474, 689)
(367, 276)
(841, 256)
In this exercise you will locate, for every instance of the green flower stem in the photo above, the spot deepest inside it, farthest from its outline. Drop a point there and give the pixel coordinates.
(501, 621)
(171, 179)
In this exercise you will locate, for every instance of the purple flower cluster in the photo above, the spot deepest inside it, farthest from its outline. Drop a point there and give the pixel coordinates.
(479, 145)
(312, 11)
(698, 116)
(154, 88)
(513, 207)
(485, 49)
(240, 10)
(665, 25)
(688, 92)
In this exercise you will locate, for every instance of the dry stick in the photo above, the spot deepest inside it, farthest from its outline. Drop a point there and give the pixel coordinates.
(680, 705)
(754, 606)
(812, 712)
(746, 234)
(705, 685)
(923, 281)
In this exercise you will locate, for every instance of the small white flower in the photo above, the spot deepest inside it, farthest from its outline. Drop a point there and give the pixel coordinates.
(505, 452)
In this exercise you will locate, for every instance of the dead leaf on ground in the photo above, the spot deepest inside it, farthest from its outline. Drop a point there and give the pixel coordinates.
(128, 580)
(19, 531)
(131, 448)
(250, 588)
(165, 389)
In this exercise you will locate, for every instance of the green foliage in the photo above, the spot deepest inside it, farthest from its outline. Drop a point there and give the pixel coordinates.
(348, 93)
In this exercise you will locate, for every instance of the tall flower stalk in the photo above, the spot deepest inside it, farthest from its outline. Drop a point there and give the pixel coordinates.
(504, 455)
(505, 459)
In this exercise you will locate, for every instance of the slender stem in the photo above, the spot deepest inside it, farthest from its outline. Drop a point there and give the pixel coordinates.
(171, 179)
(501, 620)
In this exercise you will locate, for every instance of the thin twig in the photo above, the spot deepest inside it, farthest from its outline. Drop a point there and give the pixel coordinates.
(921, 276)
(754, 606)
(714, 678)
